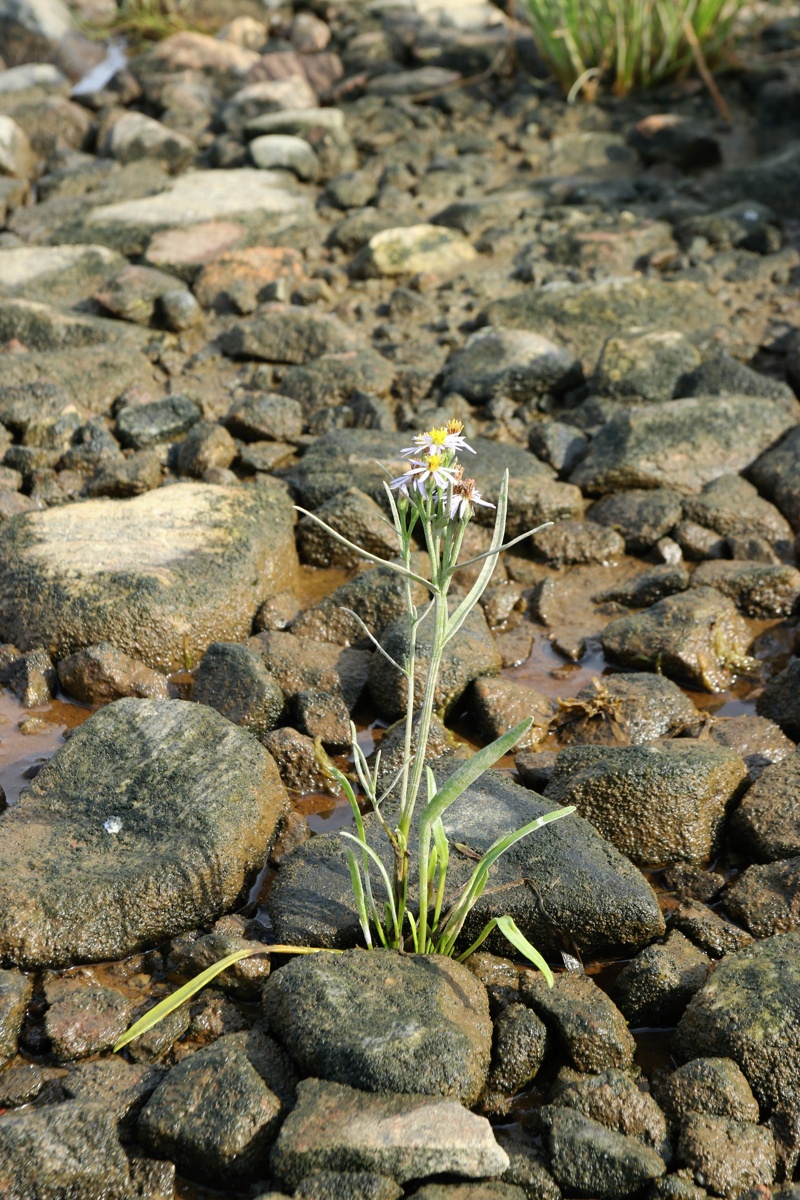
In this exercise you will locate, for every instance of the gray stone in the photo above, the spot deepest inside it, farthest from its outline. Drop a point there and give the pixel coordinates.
(143, 425)
(728, 1156)
(45, 327)
(15, 992)
(466, 658)
(567, 543)
(520, 1044)
(191, 953)
(166, 811)
(65, 274)
(61, 1150)
(121, 1088)
(733, 508)
(347, 458)
(333, 379)
(213, 1116)
(284, 333)
(510, 364)
(489, 1189)
(646, 366)
(648, 587)
(748, 1011)
(587, 1157)
(500, 704)
(384, 1021)
(323, 128)
(409, 249)
(755, 739)
(558, 444)
(296, 758)
(32, 678)
(766, 897)
(655, 986)
(282, 151)
(347, 1185)
(777, 476)
(597, 901)
(708, 930)
(17, 157)
(358, 518)
(135, 136)
(206, 447)
(124, 478)
(713, 1086)
(265, 415)
(725, 376)
(135, 292)
(337, 1128)
(233, 680)
(378, 597)
(641, 516)
(767, 822)
(657, 803)
(614, 1099)
(160, 576)
(253, 196)
(584, 315)
(85, 1020)
(20, 1084)
(682, 443)
(589, 1027)
(100, 674)
(527, 1167)
(697, 636)
(759, 590)
(780, 700)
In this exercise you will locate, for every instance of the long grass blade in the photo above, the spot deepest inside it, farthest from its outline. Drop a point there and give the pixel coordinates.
(472, 769)
(168, 1005)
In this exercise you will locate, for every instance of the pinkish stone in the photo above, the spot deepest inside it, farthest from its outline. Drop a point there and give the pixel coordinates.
(184, 251)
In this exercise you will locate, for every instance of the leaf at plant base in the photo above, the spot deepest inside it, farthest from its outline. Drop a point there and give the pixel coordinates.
(510, 931)
(168, 1005)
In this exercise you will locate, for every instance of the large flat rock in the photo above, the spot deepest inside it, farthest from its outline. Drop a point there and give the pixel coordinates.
(161, 577)
(682, 444)
(249, 195)
(150, 821)
(565, 886)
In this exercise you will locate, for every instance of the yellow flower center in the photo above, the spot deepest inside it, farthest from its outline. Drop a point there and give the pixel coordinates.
(433, 461)
(454, 426)
(436, 437)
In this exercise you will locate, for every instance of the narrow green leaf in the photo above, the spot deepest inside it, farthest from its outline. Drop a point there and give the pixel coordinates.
(358, 892)
(168, 1005)
(472, 769)
(510, 931)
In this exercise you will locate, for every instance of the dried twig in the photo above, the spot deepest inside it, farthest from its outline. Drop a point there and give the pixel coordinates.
(704, 72)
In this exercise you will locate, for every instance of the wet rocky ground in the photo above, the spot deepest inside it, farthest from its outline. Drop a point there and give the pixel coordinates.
(236, 271)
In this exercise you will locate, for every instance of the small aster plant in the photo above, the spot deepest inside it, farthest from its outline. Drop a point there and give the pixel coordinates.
(434, 500)
(406, 905)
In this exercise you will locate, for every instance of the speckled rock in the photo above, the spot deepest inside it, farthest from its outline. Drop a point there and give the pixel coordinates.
(565, 543)
(287, 333)
(709, 930)
(780, 700)
(648, 587)
(520, 1043)
(472, 654)
(588, 1025)
(160, 577)
(409, 249)
(655, 986)
(165, 809)
(16, 990)
(500, 704)
(347, 1185)
(766, 897)
(597, 901)
(696, 636)
(682, 444)
(748, 1011)
(140, 426)
(713, 1086)
(646, 366)
(759, 589)
(355, 516)
(732, 507)
(634, 707)
(233, 680)
(757, 740)
(100, 674)
(71, 1147)
(727, 1156)
(375, 1018)
(641, 516)
(514, 364)
(590, 1159)
(337, 1128)
(84, 1020)
(777, 475)
(613, 1098)
(767, 822)
(213, 1116)
(122, 1088)
(656, 803)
